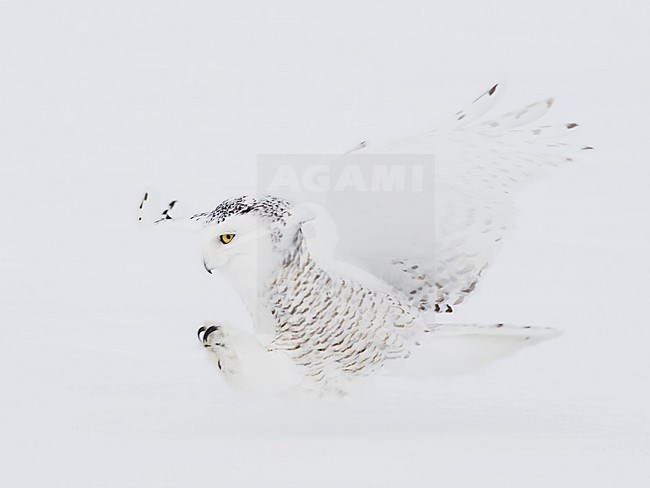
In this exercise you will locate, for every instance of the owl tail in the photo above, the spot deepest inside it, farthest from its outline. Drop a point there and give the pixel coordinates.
(457, 348)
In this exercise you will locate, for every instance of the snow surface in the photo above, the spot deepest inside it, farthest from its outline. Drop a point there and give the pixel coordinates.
(104, 383)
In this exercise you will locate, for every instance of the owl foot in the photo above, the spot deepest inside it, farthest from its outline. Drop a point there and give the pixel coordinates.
(221, 347)
(245, 362)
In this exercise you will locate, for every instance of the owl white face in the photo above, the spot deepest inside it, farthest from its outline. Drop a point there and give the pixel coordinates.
(239, 243)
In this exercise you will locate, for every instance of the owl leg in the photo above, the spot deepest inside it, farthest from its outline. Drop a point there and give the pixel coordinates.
(245, 363)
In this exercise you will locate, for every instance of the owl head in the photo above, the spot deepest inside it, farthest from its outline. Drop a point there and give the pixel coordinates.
(248, 233)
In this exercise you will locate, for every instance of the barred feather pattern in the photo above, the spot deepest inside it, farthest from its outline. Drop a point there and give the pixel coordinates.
(333, 328)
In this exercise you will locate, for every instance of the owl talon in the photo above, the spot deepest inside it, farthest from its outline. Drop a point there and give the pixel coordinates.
(204, 333)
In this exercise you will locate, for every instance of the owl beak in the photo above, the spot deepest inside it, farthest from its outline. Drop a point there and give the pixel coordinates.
(205, 265)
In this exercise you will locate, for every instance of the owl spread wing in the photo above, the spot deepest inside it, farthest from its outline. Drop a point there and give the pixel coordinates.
(433, 248)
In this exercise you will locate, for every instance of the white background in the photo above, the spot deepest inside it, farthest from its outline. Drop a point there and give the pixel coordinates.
(103, 381)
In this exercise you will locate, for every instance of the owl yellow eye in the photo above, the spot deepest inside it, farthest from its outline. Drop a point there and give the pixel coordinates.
(226, 238)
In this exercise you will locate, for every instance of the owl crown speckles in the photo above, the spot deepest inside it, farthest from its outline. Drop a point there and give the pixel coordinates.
(270, 207)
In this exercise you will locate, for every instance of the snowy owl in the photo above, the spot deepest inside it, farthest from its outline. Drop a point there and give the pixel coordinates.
(332, 306)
